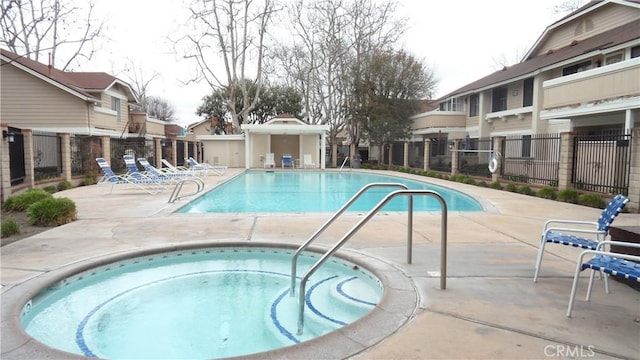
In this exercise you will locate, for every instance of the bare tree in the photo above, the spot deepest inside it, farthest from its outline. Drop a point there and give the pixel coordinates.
(233, 31)
(140, 80)
(568, 6)
(36, 28)
(159, 108)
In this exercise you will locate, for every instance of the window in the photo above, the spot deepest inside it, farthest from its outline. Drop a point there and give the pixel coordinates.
(453, 104)
(115, 106)
(527, 92)
(635, 52)
(586, 65)
(499, 98)
(613, 58)
(473, 105)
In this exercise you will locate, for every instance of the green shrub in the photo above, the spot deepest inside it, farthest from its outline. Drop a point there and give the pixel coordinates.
(10, 227)
(525, 190)
(511, 188)
(547, 193)
(483, 183)
(22, 201)
(496, 185)
(50, 189)
(568, 195)
(64, 185)
(87, 181)
(52, 211)
(470, 181)
(592, 200)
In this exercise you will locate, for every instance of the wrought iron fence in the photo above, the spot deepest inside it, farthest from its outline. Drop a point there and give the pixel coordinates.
(84, 151)
(136, 147)
(602, 162)
(47, 156)
(532, 159)
(474, 156)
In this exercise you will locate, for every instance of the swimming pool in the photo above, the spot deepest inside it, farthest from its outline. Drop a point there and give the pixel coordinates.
(326, 191)
(196, 303)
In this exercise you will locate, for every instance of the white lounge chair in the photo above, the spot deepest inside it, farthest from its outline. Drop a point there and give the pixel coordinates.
(308, 162)
(270, 160)
(217, 169)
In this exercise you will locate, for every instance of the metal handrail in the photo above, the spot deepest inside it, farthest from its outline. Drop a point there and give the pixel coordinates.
(176, 190)
(410, 193)
(294, 261)
(344, 162)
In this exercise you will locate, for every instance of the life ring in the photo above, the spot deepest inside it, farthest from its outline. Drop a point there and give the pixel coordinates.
(493, 164)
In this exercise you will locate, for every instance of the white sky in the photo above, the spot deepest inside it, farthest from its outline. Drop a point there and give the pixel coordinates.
(458, 39)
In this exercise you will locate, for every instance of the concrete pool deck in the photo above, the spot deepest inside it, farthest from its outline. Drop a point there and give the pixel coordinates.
(490, 309)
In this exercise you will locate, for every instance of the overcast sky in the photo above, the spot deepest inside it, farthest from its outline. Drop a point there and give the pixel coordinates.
(458, 39)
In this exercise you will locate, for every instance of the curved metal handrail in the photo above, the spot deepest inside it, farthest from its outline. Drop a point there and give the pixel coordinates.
(410, 193)
(294, 261)
(176, 190)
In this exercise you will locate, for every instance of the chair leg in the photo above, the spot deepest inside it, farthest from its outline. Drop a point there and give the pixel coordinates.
(591, 277)
(539, 258)
(574, 286)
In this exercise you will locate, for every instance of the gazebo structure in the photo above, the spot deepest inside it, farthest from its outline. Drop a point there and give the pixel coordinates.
(284, 134)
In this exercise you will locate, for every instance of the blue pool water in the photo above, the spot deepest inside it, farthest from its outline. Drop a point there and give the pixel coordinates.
(327, 191)
(197, 304)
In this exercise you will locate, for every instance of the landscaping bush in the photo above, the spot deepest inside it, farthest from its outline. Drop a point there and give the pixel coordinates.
(511, 188)
(64, 185)
(568, 195)
(496, 185)
(10, 227)
(525, 190)
(22, 201)
(592, 200)
(52, 211)
(50, 189)
(483, 183)
(547, 193)
(87, 181)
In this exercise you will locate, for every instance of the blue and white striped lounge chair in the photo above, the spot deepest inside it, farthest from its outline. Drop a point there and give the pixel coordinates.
(217, 169)
(138, 180)
(287, 160)
(581, 234)
(624, 266)
(130, 162)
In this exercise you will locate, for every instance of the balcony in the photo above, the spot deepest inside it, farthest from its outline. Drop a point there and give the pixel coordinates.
(608, 82)
(439, 119)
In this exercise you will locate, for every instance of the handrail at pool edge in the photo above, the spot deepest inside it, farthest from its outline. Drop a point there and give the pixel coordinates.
(345, 238)
(294, 260)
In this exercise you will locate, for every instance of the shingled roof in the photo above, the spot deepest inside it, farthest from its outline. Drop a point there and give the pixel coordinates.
(81, 83)
(599, 42)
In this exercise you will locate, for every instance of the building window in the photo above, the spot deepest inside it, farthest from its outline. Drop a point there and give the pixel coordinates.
(586, 65)
(635, 52)
(115, 106)
(473, 105)
(499, 98)
(453, 104)
(527, 92)
(613, 58)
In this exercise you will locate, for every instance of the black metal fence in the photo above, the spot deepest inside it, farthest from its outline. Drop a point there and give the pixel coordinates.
(532, 159)
(138, 147)
(602, 162)
(47, 156)
(474, 156)
(84, 151)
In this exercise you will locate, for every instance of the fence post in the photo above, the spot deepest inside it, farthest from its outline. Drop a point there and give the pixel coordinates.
(455, 156)
(634, 172)
(405, 157)
(106, 147)
(565, 168)
(427, 155)
(157, 146)
(29, 164)
(498, 152)
(65, 155)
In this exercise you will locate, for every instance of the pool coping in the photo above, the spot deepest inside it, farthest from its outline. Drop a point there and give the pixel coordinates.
(398, 305)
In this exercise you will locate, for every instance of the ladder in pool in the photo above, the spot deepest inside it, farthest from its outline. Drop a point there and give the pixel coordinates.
(403, 192)
(175, 195)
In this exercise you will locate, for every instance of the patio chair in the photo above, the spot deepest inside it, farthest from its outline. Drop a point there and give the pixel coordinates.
(617, 264)
(138, 180)
(180, 169)
(270, 160)
(582, 234)
(308, 161)
(168, 176)
(287, 160)
(217, 169)
(130, 162)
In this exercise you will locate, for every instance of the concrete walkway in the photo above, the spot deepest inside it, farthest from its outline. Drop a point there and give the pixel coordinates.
(490, 309)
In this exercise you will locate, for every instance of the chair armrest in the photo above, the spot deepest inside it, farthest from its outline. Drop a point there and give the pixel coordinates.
(618, 243)
(574, 230)
(571, 222)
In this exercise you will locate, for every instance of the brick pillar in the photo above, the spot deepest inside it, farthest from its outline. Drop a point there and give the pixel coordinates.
(106, 147)
(455, 157)
(29, 173)
(405, 158)
(427, 154)
(65, 147)
(565, 167)
(157, 142)
(634, 172)
(498, 152)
